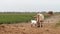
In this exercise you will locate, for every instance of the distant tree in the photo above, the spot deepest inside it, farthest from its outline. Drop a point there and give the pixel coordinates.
(50, 13)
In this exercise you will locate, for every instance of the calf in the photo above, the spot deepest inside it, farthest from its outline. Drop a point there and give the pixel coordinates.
(33, 23)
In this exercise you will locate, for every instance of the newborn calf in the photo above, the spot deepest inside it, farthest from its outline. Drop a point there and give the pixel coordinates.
(33, 23)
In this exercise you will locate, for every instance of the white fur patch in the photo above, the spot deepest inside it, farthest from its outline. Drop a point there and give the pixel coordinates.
(33, 21)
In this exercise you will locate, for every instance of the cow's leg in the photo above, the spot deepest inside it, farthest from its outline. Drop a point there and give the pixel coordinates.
(41, 24)
(31, 25)
(38, 24)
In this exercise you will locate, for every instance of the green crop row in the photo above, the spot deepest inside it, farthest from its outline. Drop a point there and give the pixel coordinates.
(16, 18)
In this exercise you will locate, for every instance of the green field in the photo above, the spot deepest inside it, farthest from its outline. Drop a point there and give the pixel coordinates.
(10, 18)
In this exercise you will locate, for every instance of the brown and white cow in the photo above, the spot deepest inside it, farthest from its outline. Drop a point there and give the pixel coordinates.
(39, 19)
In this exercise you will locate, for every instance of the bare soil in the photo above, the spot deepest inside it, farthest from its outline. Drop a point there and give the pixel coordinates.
(25, 28)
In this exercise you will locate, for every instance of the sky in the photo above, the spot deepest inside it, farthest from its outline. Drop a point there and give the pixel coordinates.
(29, 5)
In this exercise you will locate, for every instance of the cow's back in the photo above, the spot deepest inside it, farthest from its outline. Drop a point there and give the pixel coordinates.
(40, 17)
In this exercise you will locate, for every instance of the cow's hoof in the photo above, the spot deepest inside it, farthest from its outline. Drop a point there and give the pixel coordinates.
(38, 26)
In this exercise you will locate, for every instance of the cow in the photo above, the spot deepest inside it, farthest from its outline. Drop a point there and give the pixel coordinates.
(40, 19)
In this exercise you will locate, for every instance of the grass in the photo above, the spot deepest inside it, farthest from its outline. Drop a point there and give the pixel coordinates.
(16, 18)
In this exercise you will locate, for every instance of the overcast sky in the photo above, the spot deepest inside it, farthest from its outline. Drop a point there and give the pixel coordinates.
(29, 5)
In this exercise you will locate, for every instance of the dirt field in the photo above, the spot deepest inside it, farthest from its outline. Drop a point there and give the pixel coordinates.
(25, 28)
